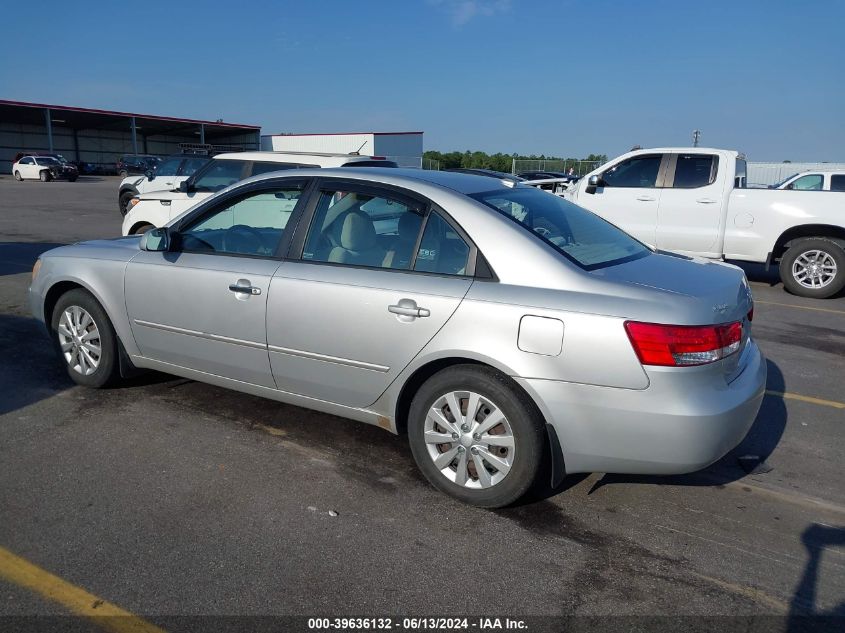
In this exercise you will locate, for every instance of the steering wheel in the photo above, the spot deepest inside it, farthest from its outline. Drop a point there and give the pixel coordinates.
(241, 238)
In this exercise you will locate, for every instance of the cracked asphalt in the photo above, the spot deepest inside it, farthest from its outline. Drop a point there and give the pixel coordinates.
(170, 497)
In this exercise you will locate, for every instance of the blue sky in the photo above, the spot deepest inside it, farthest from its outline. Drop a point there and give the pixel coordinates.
(566, 77)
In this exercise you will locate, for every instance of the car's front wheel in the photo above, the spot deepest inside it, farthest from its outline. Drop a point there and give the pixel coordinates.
(85, 339)
(813, 267)
(140, 229)
(476, 435)
(125, 197)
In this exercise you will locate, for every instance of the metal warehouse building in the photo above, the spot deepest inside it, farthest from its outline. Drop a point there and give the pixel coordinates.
(102, 136)
(406, 148)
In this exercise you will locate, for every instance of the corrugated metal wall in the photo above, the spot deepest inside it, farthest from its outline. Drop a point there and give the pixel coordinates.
(101, 147)
(771, 173)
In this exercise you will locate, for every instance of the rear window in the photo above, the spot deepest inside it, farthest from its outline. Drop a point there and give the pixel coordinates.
(582, 237)
(371, 163)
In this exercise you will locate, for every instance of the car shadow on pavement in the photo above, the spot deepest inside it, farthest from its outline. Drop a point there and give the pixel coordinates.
(748, 457)
(18, 257)
(804, 613)
(758, 272)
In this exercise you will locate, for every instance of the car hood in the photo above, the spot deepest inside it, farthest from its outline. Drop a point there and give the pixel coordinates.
(711, 292)
(162, 195)
(119, 248)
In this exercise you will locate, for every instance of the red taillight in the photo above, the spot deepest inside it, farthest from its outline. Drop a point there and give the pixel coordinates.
(683, 345)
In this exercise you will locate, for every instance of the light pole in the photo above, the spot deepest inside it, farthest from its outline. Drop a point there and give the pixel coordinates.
(696, 135)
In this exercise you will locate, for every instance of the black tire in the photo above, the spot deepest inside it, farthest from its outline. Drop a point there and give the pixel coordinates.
(142, 228)
(44, 176)
(108, 368)
(123, 173)
(72, 178)
(18, 176)
(525, 420)
(809, 245)
(123, 201)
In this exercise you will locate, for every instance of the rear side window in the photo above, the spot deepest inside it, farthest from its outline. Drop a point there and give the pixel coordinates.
(695, 170)
(639, 171)
(837, 182)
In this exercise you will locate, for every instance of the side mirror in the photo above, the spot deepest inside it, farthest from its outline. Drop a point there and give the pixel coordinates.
(150, 174)
(594, 182)
(185, 186)
(156, 240)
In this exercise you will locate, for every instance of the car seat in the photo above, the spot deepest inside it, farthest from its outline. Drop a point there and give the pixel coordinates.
(355, 236)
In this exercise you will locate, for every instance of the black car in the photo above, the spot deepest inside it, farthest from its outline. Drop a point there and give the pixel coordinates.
(132, 164)
(165, 175)
(543, 175)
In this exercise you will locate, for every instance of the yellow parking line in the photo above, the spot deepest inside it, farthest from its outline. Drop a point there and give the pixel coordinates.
(810, 399)
(18, 571)
(789, 305)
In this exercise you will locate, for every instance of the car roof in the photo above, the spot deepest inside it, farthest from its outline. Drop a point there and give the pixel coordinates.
(460, 182)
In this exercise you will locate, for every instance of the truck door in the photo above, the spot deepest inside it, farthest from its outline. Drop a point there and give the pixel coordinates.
(690, 211)
(629, 194)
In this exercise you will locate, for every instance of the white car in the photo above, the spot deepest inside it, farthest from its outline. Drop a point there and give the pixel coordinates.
(693, 200)
(43, 168)
(814, 181)
(157, 208)
(167, 175)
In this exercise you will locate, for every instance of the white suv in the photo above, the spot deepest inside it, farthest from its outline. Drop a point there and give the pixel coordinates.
(157, 208)
(166, 175)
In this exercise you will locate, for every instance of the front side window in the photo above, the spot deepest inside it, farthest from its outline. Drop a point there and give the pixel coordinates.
(250, 225)
(168, 167)
(363, 230)
(219, 174)
(837, 182)
(639, 171)
(192, 164)
(810, 182)
(695, 170)
(580, 236)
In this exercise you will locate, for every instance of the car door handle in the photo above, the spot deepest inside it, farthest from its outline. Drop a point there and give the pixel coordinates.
(646, 198)
(247, 290)
(706, 201)
(408, 308)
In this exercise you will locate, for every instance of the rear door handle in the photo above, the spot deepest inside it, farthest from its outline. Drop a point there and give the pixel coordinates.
(408, 307)
(706, 201)
(646, 198)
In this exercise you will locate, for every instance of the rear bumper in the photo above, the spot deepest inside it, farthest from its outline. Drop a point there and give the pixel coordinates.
(684, 421)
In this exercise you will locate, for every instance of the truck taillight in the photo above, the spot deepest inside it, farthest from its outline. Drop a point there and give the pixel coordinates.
(683, 345)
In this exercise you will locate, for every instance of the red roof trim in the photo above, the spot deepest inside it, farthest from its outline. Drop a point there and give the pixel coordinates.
(26, 104)
(348, 134)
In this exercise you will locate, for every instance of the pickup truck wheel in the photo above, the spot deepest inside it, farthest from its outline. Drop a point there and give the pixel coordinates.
(813, 267)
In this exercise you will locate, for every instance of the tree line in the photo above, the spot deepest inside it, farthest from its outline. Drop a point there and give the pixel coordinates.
(499, 161)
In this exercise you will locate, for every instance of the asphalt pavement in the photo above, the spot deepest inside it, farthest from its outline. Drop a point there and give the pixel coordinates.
(168, 497)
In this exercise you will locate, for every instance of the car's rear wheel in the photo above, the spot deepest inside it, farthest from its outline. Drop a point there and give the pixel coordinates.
(125, 197)
(476, 435)
(85, 339)
(44, 176)
(18, 175)
(813, 267)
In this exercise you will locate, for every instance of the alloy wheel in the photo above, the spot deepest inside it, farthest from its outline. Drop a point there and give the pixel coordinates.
(814, 269)
(79, 339)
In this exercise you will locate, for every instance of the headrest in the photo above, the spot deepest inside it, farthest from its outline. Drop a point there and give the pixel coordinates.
(357, 232)
(409, 226)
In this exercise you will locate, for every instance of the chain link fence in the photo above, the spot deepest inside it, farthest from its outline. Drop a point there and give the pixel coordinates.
(580, 167)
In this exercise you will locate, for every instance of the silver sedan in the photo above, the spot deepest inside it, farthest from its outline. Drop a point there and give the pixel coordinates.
(496, 325)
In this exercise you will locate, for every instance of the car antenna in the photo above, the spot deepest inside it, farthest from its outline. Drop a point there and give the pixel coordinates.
(357, 152)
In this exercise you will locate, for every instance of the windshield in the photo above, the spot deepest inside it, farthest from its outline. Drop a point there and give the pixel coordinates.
(581, 236)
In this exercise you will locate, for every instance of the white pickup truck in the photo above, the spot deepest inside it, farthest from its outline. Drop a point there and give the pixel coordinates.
(693, 201)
